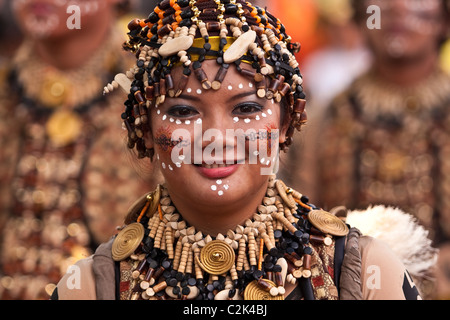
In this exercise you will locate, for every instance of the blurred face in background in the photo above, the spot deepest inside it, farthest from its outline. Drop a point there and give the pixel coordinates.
(48, 18)
(409, 28)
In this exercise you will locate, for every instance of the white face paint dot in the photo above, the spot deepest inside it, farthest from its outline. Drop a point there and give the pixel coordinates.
(158, 112)
(163, 165)
(269, 111)
(257, 117)
(178, 164)
(255, 153)
(170, 167)
(213, 187)
(178, 121)
(198, 121)
(262, 160)
(241, 86)
(267, 163)
(220, 193)
(157, 156)
(230, 87)
(187, 122)
(264, 115)
(199, 91)
(189, 90)
(219, 181)
(182, 157)
(171, 120)
(235, 119)
(247, 120)
(250, 85)
(164, 117)
(225, 186)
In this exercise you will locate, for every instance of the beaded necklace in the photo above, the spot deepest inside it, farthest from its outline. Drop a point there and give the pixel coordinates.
(166, 258)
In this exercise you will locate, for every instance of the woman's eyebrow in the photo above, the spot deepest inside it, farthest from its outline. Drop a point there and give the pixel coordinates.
(231, 97)
(243, 95)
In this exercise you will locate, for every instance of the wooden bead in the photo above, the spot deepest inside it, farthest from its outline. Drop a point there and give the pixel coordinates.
(239, 47)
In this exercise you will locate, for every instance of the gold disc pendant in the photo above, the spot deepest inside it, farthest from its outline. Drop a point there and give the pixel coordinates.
(327, 223)
(254, 292)
(217, 257)
(127, 241)
(64, 127)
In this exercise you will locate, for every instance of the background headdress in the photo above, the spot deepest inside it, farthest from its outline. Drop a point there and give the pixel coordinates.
(185, 33)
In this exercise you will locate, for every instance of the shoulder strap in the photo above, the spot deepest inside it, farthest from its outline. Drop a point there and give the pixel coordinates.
(104, 272)
(350, 273)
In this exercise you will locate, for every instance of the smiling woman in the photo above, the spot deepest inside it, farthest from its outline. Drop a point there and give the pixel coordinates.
(216, 92)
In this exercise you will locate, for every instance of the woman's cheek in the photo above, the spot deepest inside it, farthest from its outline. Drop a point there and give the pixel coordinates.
(172, 146)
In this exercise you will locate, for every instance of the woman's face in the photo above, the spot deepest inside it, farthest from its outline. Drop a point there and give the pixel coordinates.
(54, 18)
(216, 146)
(408, 28)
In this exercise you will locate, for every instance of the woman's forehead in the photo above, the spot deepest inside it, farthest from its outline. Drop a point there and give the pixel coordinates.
(234, 84)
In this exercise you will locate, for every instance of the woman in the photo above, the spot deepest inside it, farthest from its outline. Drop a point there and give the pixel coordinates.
(215, 93)
(59, 198)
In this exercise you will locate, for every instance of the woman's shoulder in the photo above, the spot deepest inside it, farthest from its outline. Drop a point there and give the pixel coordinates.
(91, 278)
(393, 249)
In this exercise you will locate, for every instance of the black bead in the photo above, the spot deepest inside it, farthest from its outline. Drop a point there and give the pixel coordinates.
(191, 281)
(153, 17)
(176, 290)
(278, 234)
(258, 274)
(172, 282)
(185, 291)
(230, 8)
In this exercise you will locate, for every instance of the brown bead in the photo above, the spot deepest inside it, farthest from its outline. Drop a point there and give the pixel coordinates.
(169, 85)
(166, 29)
(285, 89)
(134, 24)
(139, 97)
(213, 26)
(307, 261)
(278, 277)
(182, 84)
(299, 105)
(249, 73)
(162, 87)
(149, 92)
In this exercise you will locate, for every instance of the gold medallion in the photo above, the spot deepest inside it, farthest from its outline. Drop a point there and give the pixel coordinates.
(217, 257)
(327, 223)
(127, 241)
(254, 292)
(135, 209)
(55, 91)
(64, 127)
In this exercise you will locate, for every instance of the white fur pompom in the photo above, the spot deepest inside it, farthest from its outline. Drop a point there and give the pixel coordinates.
(401, 232)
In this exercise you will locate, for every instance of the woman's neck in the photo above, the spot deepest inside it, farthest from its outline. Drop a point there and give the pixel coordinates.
(213, 219)
(72, 51)
(406, 72)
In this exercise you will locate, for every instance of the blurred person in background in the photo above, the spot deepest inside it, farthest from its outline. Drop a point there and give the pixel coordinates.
(62, 176)
(329, 69)
(386, 139)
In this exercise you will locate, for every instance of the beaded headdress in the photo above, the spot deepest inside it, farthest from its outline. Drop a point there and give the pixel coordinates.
(185, 33)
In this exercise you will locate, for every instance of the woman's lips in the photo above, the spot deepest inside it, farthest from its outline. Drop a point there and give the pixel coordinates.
(217, 171)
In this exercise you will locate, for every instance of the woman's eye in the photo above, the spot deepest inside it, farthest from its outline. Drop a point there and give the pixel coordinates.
(182, 111)
(247, 109)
